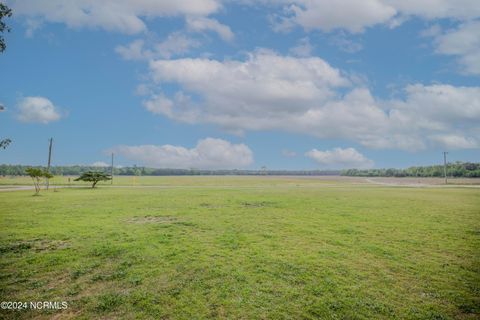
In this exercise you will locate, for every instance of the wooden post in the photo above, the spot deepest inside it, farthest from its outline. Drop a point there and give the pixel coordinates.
(445, 166)
(49, 160)
(111, 171)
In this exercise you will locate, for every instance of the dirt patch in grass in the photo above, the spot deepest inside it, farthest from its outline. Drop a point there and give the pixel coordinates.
(41, 245)
(258, 204)
(35, 245)
(210, 205)
(152, 219)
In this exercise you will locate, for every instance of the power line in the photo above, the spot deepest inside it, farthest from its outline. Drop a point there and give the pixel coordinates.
(49, 159)
(445, 165)
(111, 171)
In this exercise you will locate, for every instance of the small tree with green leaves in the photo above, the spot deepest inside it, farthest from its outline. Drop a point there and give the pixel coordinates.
(37, 174)
(4, 143)
(94, 177)
(4, 12)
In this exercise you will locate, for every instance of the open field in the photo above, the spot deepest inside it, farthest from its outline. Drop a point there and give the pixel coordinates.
(242, 248)
(235, 181)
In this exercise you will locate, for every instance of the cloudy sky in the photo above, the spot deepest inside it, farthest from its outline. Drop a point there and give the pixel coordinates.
(302, 84)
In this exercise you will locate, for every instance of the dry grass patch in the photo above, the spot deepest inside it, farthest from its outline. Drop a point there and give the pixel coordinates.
(152, 219)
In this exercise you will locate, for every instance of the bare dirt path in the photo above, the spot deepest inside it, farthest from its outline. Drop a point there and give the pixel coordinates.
(15, 188)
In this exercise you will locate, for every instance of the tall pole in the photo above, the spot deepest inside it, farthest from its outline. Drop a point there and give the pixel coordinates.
(445, 165)
(49, 159)
(111, 171)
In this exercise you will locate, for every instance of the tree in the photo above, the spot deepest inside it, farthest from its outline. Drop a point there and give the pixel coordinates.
(4, 143)
(94, 177)
(4, 12)
(37, 174)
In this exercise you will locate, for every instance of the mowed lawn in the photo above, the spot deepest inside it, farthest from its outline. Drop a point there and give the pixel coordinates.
(257, 248)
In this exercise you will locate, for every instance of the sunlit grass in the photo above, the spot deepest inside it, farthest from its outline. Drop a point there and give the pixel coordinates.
(250, 248)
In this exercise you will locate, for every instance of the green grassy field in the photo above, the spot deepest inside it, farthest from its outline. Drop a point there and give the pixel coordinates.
(233, 181)
(200, 181)
(243, 248)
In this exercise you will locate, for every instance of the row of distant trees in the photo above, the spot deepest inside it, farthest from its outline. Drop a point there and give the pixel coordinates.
(456, 169)
(19, 170)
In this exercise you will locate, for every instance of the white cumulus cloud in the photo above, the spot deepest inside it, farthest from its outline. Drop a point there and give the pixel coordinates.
(37, 109)
(175, 44)
(453, 141)
(339, 158)
(303, 48)
(126, 16)
(209, 153)
(355, 16)
(437, 9)
(307, 95)
(462, 42)
(201, 24)
(265, 84)
(129, 16)
(351, 15)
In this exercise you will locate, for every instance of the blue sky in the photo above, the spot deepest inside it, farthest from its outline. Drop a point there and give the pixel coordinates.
(317, 84)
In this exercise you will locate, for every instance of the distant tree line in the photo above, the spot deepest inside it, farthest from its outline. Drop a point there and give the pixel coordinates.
(456, 169)
(19, 170)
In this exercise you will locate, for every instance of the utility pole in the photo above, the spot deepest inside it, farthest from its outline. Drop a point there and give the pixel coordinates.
(445, 165)
(49, 159)
(111, 171)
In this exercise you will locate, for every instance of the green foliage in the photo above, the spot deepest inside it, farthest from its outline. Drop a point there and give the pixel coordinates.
(4, 143)
(15, 170)
(457, 170)
(4, 12)
(259, 248)
(94, 177)
(108, 302)
(37, 174)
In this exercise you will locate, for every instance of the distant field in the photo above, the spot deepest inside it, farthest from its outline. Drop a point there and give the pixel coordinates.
(177, 180)
(242, 248)
(238, 180)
